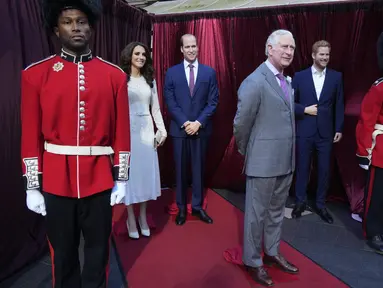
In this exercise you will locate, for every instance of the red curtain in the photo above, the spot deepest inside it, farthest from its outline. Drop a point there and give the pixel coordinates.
(233, 43)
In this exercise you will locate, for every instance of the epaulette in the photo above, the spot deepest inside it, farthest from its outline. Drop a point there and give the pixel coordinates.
(107, 62)
(377, 82)
(39, 62)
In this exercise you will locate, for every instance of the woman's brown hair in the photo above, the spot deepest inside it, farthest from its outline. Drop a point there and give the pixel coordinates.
(146, 71)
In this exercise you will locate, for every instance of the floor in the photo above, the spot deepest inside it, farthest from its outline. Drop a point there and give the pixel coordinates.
(38, 275)
(338, 248)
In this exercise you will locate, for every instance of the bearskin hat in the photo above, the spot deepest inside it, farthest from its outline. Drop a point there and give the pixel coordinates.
(51, 10)
(380, 52)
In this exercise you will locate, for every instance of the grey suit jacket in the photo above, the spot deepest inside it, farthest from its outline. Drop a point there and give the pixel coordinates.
(264, 127)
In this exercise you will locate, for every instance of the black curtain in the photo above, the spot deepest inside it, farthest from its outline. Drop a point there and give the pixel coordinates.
(22, 235)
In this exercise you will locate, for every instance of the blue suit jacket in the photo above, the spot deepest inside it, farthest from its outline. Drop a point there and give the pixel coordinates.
(330, 105)
(185, 107)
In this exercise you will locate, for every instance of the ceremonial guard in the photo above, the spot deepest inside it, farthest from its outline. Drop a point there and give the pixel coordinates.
(370, 155)
(75, 144)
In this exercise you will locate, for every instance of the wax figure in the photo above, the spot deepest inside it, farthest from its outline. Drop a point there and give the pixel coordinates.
(319, 115)
(191, 95)
(75, 145)
(264, 131)
(370, 156)
(144, 107)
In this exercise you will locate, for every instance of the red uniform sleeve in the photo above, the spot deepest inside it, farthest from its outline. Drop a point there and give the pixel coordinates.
(370, 110)
(32, 144)
(121, 144)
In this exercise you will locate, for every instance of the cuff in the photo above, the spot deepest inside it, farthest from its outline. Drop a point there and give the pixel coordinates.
(32, 179)
(121, 171)
(363, 160)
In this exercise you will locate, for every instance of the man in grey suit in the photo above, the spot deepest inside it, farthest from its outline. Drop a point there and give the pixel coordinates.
(264, 130)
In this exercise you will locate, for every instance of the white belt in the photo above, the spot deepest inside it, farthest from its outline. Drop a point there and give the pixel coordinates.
(78, 150)
(139, 114)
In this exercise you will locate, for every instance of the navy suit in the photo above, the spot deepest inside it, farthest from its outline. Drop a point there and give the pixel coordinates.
(184, 107)
(316, 132)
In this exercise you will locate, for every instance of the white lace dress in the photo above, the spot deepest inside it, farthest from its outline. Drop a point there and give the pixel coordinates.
(144, 178)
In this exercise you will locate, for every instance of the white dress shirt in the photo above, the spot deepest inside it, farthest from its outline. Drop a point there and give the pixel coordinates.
(274, 70)
(187, 70)
(318, 78)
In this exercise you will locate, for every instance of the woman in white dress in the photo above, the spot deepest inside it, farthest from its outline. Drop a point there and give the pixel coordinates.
(144, 177)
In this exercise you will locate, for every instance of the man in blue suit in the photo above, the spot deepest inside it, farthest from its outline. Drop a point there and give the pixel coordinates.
(191, 96)
(319, 111)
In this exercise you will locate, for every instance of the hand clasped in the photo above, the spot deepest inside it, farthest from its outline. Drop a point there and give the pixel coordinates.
(192, 128)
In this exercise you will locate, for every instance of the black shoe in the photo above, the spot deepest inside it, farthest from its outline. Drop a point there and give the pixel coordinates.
(376, 243)
(323, 213)
(201, 214)
(281, 263)
(181, 217)
(260, 276)
(299, 208)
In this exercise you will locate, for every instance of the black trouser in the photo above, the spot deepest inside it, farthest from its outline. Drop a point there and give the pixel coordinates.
(305, 148)
(373, 203)
(66, 218)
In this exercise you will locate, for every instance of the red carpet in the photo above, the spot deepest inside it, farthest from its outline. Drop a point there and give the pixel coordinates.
(193, 255)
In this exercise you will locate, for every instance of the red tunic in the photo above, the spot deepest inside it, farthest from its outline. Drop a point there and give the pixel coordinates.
(368, 130)
(67, 102)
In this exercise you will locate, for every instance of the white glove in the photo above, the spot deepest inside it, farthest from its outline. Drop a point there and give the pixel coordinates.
(118, 193)
(35, 202)
(365, 167)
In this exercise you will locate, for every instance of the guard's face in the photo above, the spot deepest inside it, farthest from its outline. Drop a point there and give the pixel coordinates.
(73, 30)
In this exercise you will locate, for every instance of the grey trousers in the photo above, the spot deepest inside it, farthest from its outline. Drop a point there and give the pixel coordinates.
(264, 213)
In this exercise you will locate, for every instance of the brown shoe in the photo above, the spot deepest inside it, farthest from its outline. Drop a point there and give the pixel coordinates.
(281, 263)
(260, 275)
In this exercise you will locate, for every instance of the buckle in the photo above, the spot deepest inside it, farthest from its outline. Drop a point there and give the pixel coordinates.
(90, 150)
